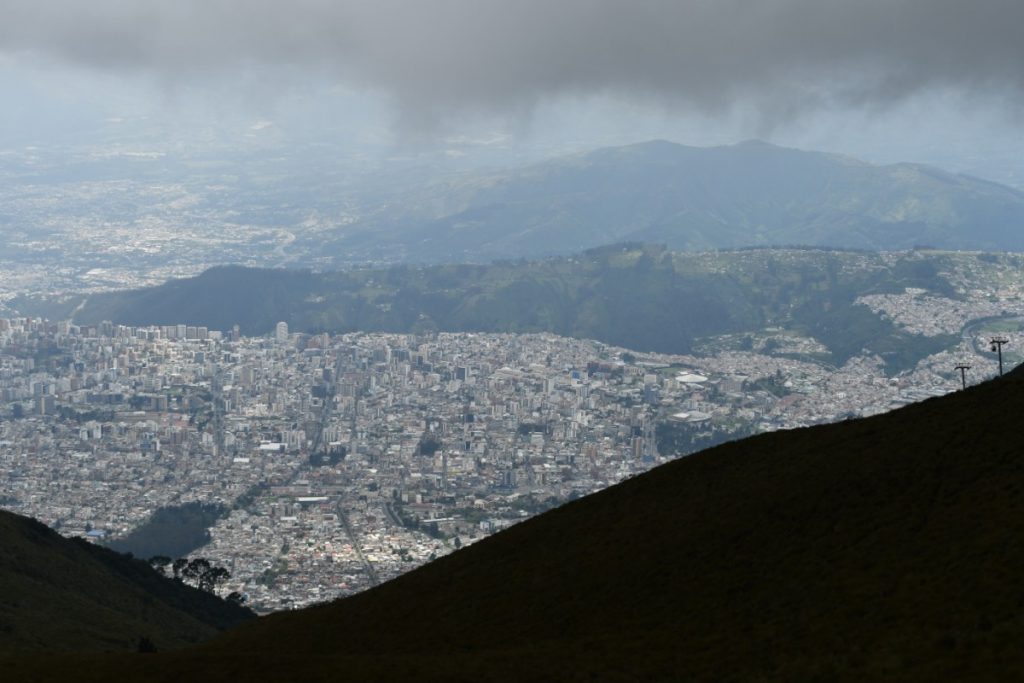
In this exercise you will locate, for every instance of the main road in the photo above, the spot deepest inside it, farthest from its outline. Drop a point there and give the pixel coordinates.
(970, 330)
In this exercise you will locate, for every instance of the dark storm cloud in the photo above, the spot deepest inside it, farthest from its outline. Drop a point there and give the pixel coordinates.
(498, 55)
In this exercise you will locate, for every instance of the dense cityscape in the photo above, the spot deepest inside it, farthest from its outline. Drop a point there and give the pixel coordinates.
(334, 463)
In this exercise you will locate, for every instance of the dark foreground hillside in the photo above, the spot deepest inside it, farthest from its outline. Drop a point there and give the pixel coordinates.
(65, 595)
(890, 548)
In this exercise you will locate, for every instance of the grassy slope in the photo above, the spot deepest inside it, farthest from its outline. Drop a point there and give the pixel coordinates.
(643, 298)
(884, 548)
(63, 595)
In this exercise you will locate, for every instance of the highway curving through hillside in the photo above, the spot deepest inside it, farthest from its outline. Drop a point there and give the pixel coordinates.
(970, 331)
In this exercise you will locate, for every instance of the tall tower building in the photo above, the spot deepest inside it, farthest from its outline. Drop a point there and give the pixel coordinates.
(281, 333)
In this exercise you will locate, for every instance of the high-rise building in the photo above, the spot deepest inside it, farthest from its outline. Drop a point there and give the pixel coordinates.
(638, 448)
(281, 332)
(46, 405)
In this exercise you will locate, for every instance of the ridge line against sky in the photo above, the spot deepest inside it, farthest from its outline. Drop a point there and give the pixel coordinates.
(932, 81)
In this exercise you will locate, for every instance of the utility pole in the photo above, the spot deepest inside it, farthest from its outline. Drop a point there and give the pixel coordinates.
(963, 377)
(997, 345)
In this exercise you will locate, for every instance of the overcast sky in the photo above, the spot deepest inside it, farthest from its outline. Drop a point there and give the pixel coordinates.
(875, 75)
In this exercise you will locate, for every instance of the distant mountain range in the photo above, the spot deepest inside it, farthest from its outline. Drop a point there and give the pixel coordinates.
(65, 595)
(750, 194)
(887, 548)
(640, 297)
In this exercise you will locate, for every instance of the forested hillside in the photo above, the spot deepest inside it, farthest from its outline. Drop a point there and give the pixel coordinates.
(640, 297)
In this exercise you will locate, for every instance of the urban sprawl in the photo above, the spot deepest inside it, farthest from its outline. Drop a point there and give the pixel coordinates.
(343, 461)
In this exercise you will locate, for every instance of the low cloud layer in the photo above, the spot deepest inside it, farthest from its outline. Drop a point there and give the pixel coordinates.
(441, 56)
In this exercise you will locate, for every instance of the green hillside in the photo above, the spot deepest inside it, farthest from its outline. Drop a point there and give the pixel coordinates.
(59, 594)
(640, 297)
(694, 198)
(888, 548)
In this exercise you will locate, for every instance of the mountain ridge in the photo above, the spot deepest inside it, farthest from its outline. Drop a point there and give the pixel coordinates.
(749, 194)
(640, 297)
